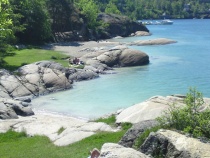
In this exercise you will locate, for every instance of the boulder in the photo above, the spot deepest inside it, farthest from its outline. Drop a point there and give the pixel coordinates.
(119, 56)
(118, 26)
(131, 57)
(51, 65)
(111, 150)
(98, 65)
(4, 93)
(14, 85)
(158, 41)
(10, 109)
(83, 75)
(54, 80)
(45, 77)
(151, 108)
(7, 112)
(142, 33)
(91, 55)
(166, 143)
(110, 58)
(30, 81)
(128, 140)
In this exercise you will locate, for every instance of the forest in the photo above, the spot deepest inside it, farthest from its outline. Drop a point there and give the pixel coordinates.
(157, 9)
(38, 21)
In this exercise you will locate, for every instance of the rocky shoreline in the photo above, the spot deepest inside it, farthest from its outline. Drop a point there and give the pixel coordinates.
(44, 77)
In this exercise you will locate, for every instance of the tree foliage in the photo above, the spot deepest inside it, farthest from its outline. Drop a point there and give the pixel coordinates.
(154, 9)
(90, 10)
(190, 118)
(112, 8)
(5, 27)
(35, 20)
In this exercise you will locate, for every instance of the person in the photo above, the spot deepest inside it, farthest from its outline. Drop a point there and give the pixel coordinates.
(76, 61)
(95, 153)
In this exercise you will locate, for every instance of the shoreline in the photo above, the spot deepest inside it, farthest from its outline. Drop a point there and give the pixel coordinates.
(78, 49)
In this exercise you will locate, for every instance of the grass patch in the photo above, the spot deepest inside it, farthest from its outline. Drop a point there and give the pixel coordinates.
(26, 56)
(13, 145)
(61, 130)
(126, 125)
(108, 120)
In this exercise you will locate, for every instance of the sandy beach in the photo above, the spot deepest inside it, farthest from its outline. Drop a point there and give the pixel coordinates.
(78, 49)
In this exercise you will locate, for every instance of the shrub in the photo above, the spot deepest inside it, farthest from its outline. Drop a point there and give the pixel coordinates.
(189, 118)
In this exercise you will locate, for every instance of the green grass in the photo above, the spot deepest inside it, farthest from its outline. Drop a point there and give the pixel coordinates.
(108, 120)
(61, 130)
(26, 56)
(15, 145)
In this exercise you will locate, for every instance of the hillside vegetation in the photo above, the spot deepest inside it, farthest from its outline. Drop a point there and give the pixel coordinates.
(154, 9)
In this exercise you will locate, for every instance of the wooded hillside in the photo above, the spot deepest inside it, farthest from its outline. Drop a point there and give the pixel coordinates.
(155, 9)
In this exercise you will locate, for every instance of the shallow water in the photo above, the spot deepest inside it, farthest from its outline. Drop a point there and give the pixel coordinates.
(172, 70)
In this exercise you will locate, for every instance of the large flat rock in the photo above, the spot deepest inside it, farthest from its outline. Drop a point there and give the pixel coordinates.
(151, 108)
(49, 125)
(111, 150)
(158, 41)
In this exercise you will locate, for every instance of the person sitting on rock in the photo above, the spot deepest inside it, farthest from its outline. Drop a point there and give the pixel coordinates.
(76, 61)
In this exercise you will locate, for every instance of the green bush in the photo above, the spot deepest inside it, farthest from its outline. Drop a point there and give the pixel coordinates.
(188, 118)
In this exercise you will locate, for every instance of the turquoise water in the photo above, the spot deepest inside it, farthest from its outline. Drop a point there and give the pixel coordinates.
(172, 70)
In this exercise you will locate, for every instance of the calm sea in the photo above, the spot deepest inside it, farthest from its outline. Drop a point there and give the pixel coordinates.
(172, 70)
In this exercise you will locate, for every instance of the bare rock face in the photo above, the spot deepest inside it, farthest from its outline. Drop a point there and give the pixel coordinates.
(29, 80)
(10, 109)
(158, 41)
(120, 56)
(152, 108)
(80, 75)
(128, 140)
(133, 58)
(111, 150)
(4, 93)
(43, 77)
(166, 143)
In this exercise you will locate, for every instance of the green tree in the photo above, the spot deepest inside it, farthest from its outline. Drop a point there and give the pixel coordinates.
(60, 12)
(112, 8)
(34, 18)
(5, 27)
(90, 10)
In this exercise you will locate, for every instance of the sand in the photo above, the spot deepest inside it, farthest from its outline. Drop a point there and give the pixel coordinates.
(78, 49)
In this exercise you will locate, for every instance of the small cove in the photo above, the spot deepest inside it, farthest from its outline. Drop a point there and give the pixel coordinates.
(172, 70)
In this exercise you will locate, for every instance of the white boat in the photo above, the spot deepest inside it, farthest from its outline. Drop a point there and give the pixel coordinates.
(166, 22)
